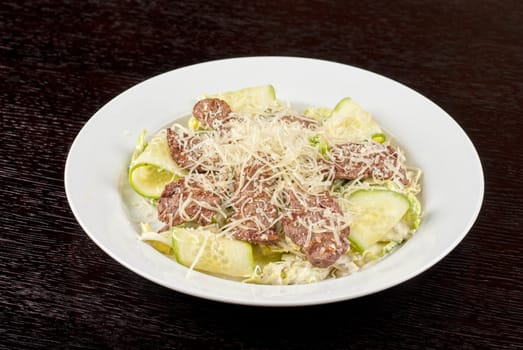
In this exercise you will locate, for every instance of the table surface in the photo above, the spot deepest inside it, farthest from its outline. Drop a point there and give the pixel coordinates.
(60, 62)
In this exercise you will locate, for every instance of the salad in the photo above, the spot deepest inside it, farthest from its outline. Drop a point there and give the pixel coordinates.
(247, 188)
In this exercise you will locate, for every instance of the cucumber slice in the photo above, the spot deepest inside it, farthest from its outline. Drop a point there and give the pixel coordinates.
(149, 180)
(319, 113)
(376, 212)
(413, 216)
(153, 168)
(214, 254)
(141, 143)
(160, 241)
(250, 100)
(350, 123)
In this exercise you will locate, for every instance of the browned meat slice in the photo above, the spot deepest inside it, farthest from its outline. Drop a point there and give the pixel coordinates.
(303, 121)
(183, 201)
(256, 218)
(212, 112)
(181, 148)
(186, 153)
(312, 223)
(367, 160)
(254, 215)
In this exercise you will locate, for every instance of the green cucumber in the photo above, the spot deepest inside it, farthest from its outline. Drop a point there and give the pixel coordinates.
(376, 212)
(250, 100)
(413, 216)
(319, 113)
(152, 166)
(349, 122)
(212, 253)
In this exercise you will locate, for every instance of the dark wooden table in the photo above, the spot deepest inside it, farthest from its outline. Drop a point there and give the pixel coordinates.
(61, 61)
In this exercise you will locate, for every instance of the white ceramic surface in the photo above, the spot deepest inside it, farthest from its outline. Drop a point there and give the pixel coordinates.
(453, 181)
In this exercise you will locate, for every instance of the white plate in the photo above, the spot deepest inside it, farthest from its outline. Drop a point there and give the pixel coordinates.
(452, 185)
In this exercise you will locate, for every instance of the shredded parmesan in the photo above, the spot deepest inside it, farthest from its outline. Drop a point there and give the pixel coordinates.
(282, 147)
(267, 158)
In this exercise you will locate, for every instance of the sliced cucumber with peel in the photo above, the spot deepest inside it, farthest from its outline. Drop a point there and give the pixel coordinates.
(319, 113)
(349, 122)
(250, 100)
(255, 99)
(212, 253)
(152, 166)
(375, 212)
(413, 216)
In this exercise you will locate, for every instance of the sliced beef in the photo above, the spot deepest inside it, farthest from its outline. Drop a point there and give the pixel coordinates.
(186, 153)
(214, 113)
(367, 160)
(303, 121)
(182, 201)
(181, 146)
(254, 217)
(312, 222)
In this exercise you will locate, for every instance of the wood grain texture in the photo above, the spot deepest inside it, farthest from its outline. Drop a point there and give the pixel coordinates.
(62, 60)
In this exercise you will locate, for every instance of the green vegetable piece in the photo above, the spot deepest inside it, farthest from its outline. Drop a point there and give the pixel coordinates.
(413, 216)
(319, 113)
(141, 143)
(194, 123)
(250, 100)
(378, 137)
(152, 168)
(322, 145)
(209, 252)
(349, 122)
(375, 213)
